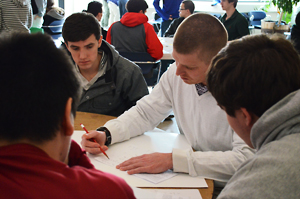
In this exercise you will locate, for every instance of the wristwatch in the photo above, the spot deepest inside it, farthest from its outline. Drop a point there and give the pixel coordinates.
(107, 133)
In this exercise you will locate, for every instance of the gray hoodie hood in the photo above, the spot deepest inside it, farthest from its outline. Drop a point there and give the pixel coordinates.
(280, 120)
(57, 13)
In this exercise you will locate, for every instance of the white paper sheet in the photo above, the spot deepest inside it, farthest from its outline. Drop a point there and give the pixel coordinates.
(115, 158)
(157, 141)
(166, 193)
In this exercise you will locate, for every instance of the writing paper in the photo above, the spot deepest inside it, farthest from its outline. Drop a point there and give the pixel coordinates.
(158, 141)
(166, 193)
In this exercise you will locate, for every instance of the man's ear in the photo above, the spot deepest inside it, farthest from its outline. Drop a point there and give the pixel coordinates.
(99, 16)
(68, 119)
(100, 41)
(249, 117)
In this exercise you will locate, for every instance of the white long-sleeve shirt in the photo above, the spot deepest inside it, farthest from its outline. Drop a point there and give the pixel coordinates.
(218, 150)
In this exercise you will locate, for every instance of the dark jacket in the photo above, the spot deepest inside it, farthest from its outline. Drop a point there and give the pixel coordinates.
(295, 37)
(116, 91)
(236, 25)
(173, 27)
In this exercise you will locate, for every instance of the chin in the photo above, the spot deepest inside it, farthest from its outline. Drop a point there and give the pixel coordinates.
(188, 81)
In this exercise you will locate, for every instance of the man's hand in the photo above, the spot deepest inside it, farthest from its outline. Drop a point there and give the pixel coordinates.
(91, 146)
(147, 163)
(36, 16)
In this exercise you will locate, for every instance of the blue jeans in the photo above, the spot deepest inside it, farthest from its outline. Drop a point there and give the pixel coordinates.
(122, 8)
(164, 26)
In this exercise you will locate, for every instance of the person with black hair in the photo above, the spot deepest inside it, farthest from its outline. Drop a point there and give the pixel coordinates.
(140, 35)
(186, 8)
(95, 7)
(111, 84)
(37, 155)
(168, 12)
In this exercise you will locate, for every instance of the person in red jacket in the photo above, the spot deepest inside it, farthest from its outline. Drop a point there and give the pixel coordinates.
(133, 33)
(38, 159)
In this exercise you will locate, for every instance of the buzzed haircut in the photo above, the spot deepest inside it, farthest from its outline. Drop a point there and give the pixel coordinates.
(200, 33)
(254, 72)
(188, 4)
(36, 81)
(136, 6)
(80, 26)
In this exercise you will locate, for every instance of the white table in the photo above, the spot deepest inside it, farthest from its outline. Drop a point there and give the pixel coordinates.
(167, 43)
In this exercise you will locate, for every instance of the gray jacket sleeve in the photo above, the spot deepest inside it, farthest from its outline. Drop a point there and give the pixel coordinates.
(41, 5)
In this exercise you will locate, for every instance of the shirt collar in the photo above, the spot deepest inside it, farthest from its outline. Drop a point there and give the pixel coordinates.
(201, 89)
(101, 71)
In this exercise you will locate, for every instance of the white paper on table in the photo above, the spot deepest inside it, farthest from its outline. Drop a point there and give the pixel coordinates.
(166, 193)
(157, 178)
(117, 157)
(156, 140)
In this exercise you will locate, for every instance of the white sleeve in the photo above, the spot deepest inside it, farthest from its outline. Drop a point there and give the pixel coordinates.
(216, 165)
(146, 114)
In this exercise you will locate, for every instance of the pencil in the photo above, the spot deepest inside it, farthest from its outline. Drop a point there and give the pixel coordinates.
(94, 140)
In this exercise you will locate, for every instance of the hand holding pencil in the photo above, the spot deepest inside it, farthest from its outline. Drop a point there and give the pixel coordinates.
(93, 140)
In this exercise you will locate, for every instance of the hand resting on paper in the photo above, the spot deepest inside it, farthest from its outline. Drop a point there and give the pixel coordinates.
(147, 163)
(91, 146)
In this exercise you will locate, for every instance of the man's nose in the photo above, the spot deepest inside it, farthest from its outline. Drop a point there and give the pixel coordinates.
(179, 69)
(82, 54)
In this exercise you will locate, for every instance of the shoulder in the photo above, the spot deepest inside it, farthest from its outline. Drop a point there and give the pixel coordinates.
(106, 184)
(240, 17)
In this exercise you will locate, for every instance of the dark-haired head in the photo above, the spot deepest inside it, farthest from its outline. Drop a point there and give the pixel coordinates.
(36, 84)
(188, 4)
(94, 7)
(254, 72)
(136, 6)
(80, 26)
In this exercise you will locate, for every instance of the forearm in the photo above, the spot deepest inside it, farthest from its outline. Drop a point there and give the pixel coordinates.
(145, 116)
(216, 165)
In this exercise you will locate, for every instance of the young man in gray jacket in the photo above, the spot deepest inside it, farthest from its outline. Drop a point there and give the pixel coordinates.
(256, 81)
(111, 84)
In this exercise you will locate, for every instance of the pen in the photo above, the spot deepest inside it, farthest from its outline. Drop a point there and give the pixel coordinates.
(94, 140)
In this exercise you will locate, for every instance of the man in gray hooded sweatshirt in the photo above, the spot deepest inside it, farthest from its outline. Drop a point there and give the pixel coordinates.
(256, 80)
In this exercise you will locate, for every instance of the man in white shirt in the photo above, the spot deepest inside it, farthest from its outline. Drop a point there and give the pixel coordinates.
(218, 150)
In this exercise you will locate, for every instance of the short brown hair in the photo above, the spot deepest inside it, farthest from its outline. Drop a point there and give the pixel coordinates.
(201, 33)
(234, 2)
(188, 4)
(254, 72)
